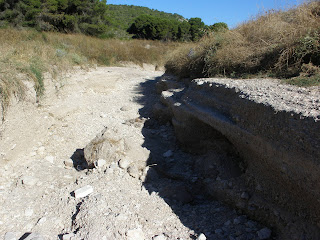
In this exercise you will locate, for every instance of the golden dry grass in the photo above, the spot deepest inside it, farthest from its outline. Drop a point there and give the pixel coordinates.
(26, 54)
(277, 43)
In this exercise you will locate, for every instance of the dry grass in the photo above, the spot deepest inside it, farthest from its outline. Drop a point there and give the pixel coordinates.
(25, 55)
(276, 43)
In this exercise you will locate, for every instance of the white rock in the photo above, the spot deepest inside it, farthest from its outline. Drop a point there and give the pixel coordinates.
(264, 233)
(68, 163)
(42, 220)
(83, 192)
(124, 163)
(168, 153)
(135, 234)
(34, 236)
(50, 159)
(10, 236)
(13, 146)
(159, 237)
(202, 237)
(32, 154)
(41, 150)
(68, 236)
(100, 163)
(29, 180)
(28, 212)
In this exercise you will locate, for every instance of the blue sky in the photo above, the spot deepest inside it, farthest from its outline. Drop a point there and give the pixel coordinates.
(231, 12)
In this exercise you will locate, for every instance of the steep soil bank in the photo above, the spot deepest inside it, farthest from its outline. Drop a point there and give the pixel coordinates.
(42, 164)
(270, 132)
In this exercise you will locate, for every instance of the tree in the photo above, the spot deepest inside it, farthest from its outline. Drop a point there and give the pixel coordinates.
(196, 28)
(219, 27)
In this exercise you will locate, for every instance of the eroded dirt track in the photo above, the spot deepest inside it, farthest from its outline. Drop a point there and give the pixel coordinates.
(36, 186)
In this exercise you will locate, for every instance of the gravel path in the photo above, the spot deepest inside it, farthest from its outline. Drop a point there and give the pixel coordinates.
(37, 179)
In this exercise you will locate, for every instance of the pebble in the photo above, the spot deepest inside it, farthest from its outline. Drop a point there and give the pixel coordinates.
(227, 223)
(34, 236)
(68, 236)
(29, 180)
(28, 212)
(83, 192)
(124, 163)
(109, 171)
(236, 221)
(68, 163)
(159, 237)
(10, 236)
(135, 234)
(245, 195)
(168, 154)
(264, 233)
(202, 237)
(100, 163)
(133, 171)
(42, 220)
(125, 108)
(49, 159)
(41, 150)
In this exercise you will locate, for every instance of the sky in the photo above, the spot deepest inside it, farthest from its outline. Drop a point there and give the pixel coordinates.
(232, 12)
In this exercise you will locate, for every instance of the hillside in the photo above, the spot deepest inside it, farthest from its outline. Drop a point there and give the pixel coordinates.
(122, 16)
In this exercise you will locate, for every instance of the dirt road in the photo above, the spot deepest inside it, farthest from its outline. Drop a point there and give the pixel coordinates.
(37, 186)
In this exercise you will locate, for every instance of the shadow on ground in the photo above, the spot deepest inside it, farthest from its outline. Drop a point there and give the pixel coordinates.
(172, 177)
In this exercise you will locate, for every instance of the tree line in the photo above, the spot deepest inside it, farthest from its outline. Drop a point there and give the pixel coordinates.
(96, 18)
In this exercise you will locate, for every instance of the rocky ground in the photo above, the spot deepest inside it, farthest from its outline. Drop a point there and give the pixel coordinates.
(41, 149)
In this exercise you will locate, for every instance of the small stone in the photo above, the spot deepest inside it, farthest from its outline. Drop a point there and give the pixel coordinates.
(125, 108)
(13, 146)
(34, 236)
(100, 163)
(124, 163)
(133, 171)
(264, 233)
(28, 212)
(50, 159)
(218, 231)
(41, 150)
(29, 180)
(42, 220)
(202, 237)
(109, 171)
(68, 163)
(32, 154)
(159, 237)
(245, 195)
(103, 115)
(236, 221)
(10, 236)
(227, 223)
(135, 234)
(83, 192)
(168, 154)
(68, 236)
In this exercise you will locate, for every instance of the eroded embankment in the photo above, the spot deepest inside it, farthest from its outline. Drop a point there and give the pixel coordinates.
(270, 130)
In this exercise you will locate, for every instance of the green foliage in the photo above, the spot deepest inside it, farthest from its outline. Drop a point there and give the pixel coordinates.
(219, 27)
(196, 28)
(87, 16)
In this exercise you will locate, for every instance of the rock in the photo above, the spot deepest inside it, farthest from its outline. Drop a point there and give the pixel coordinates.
(42, 220)
(10, 236)
(41, 150)
(49, 159)
(236, 221)
(124, 163)
(133, 171)
(135, 234)
(83, 192)
(100, 163)
(202, 237)
(34, 236)
(168, 154)
(227, 223)
(125, 108)
(68, 236)
(109, 171)
(159, 237)
(106, 145)
(29, 180)
(28, 212)
(264, 233)
(245, 195)
(68, 163)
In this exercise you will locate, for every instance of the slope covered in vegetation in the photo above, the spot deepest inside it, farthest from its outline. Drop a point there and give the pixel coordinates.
(278, 43)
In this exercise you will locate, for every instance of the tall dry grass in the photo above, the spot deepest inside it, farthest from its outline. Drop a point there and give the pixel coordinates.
(26, 54)
(278, 43)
